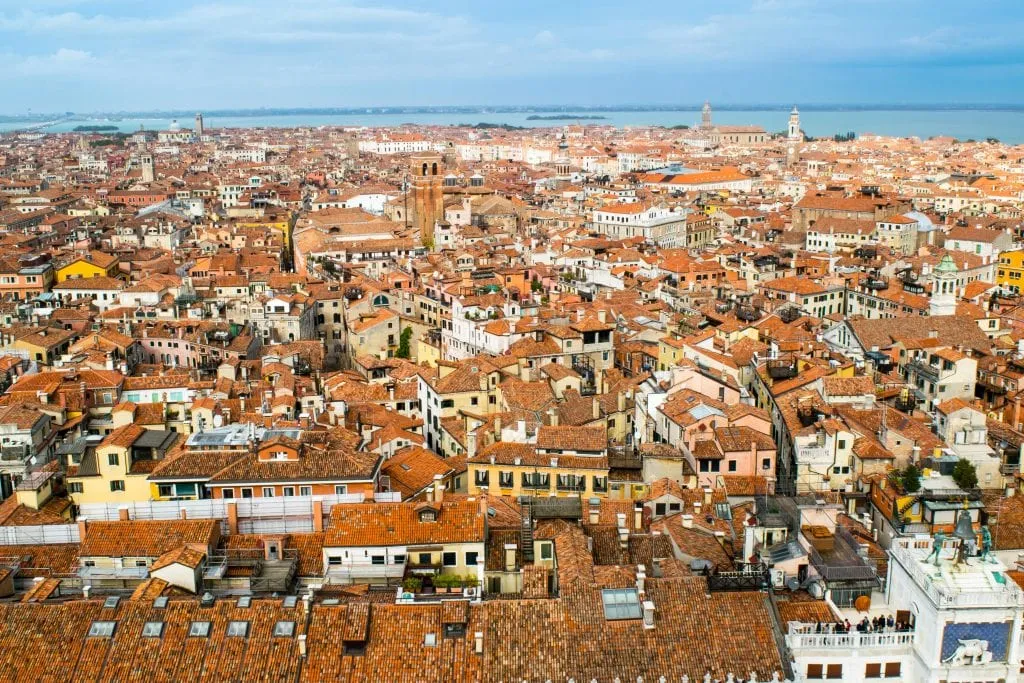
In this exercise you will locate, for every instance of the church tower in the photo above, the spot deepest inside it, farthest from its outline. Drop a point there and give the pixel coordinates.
(943, 301)
(199, 126)
(427, 194)
(705, 116)
(148, 168)
(794, 126)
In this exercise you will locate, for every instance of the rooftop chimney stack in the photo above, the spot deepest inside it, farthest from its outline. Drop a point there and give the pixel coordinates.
(648, 614)
(438, 488)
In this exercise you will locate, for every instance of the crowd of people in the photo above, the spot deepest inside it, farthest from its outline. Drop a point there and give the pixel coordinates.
(878, 624)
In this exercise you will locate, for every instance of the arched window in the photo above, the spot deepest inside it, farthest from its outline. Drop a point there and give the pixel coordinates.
(424, 168)
(433, 169)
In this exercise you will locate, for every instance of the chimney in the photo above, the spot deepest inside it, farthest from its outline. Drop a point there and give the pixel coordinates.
(690, 440)
(641, 578)
(552, 417)
(595, 515)
(648, 614)
(597, 408)
(83, 526)
(470, 445)
(707, 495)
(497, 427)
(318, 515)
(122, 514)
(478, 642)
(302, 644)
(602, 316)
(184, 513)
(623, 537)
(620, 402)
(85, 591)
(638, 516)
(438, 488)
(687, 521)
(482, 499)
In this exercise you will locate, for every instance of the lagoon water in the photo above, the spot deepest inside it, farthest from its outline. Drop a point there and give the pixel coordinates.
(1006, 125)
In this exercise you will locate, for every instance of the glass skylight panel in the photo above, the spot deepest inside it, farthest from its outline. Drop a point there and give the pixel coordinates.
(621, 603)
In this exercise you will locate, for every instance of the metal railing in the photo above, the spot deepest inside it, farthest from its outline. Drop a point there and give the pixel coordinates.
(930, 371)
(113, 572)
(803, 636)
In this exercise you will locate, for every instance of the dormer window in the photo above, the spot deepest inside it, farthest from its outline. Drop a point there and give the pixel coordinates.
(428, 515)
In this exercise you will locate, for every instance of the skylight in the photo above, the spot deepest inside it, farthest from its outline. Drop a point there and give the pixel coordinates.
(152, 629)
(199, 629)
(238, 629)
(621, 603)
(102, 629)
(284, 629)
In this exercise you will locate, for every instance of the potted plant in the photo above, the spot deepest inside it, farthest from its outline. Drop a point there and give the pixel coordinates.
(412, 584)
(444, 583)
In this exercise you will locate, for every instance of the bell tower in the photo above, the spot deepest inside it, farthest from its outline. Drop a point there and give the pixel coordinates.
(794, 126)
(427, 173)
(943, 301)
(705, 116)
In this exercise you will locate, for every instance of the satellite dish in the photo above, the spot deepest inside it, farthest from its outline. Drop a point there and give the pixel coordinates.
(793, 584)
(815, 590)
(218, 420)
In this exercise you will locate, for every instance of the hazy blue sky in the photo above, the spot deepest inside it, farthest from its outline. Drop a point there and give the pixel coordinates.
(88, 55)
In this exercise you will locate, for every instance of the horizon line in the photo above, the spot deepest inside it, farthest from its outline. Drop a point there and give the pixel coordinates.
(538, 108)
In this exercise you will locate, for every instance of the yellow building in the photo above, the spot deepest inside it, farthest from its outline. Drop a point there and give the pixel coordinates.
(118, 470)
(281, 222)
(670, 351)
(1010, 274)
(91, 264)
(564, 462)
(43, 344)
(518, 471)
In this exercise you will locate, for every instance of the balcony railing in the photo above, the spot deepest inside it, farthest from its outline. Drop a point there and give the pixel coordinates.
(113, 572)
(804, 637)
(933, 372)
(350, 573)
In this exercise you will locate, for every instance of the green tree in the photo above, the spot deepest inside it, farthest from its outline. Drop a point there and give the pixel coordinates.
(404, 344)
(965, 475)
(911, 479)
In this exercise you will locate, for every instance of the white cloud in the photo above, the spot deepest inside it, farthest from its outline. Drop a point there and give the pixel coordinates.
(545, 38)
(63, 62)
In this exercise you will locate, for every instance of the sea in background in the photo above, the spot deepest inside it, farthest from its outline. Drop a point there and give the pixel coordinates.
(1007, 125)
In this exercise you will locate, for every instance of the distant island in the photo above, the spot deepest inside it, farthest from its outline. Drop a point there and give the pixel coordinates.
(564, 117)
(95, 129)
